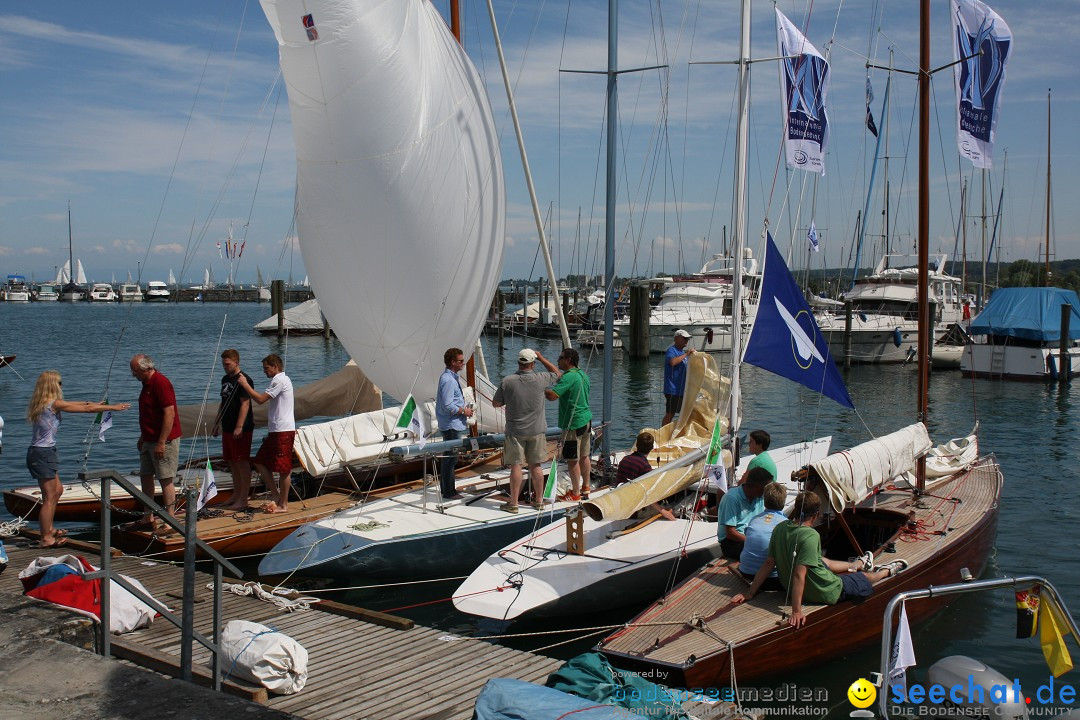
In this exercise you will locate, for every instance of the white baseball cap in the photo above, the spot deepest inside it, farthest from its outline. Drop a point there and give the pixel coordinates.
(526, 356)
(682, 333)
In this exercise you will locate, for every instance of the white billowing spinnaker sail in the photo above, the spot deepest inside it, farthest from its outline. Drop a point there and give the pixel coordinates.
(400, 201)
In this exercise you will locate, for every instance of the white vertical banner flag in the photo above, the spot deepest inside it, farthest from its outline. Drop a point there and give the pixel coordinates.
(979, 78)
(811, 235)
(208, 491)
(805, 87)
(903, 653)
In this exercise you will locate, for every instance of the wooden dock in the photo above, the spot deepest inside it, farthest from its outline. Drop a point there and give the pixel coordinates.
(361, 664)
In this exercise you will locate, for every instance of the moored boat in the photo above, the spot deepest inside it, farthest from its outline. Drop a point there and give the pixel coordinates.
(157, 291)
(15, 289)
(102, 292)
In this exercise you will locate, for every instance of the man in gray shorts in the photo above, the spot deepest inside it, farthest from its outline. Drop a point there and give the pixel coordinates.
(523, 396)
(159, 435)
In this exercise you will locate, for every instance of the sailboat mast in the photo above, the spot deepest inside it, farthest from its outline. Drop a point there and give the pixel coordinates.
(609, 212)
(742, 135)
(924, 227)
(982, 246)
(1046, 275)
(71, 253)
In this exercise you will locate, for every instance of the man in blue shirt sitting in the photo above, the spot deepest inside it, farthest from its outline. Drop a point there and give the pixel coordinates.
(737, 508)
(759, 531)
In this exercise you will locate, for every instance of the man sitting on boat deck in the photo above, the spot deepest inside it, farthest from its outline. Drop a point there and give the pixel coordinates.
(575, 419)
(758, 445)
(637, 464)
(738, 506)
(795, 552)
(523, 396)
(758, 533)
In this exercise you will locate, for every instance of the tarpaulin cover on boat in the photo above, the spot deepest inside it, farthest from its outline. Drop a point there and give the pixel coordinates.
(509, 699)
(590, 676)
(851, 475)
(1028, 313)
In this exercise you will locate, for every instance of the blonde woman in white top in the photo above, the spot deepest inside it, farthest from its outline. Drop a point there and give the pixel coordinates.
(44, 413)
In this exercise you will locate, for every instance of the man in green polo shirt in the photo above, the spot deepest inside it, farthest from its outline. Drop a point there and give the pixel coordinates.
(795, 552)
(572, 392)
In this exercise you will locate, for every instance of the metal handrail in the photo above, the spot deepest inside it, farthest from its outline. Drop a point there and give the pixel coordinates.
(956, 589)
(186, 622)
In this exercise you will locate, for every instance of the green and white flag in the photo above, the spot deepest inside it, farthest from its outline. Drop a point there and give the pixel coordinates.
(552, 480)
(104, 421)
(714, 459)
(208, 491)
(412, 420)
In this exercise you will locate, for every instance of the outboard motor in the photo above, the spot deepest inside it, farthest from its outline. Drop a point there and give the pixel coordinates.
(962, 671)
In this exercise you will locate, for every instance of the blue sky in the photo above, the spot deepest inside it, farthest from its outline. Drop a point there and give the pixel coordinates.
(161, 123)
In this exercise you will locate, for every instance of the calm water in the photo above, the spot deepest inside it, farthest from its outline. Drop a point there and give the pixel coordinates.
(1031, 427)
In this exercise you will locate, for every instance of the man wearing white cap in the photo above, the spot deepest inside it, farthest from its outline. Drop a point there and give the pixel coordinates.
(523, 396)
(675, 362)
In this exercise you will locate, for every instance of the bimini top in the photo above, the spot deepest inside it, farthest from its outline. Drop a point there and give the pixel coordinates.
(1028, 313)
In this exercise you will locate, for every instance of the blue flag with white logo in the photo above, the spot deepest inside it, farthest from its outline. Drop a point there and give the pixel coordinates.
(786, 340)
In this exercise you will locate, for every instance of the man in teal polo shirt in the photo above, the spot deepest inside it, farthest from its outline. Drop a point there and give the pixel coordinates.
(572, 392)
(737, 508)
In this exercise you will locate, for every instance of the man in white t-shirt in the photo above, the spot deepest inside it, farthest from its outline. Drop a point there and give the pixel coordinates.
(275, 453)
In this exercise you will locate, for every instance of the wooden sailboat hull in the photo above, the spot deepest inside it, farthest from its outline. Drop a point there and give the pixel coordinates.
(688, 658)
(235, 534)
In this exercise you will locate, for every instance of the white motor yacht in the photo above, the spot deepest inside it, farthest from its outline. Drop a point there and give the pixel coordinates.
(102, 292)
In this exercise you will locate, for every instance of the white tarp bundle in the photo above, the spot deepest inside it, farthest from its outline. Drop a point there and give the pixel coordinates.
(852, 475)
(306, 317)
(265, 657)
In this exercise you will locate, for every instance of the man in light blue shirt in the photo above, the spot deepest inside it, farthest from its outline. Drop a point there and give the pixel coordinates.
(737, 508)
(759, 531)
(452, 414)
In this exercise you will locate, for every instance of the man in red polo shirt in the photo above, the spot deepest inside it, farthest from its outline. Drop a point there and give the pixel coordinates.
(159, 434)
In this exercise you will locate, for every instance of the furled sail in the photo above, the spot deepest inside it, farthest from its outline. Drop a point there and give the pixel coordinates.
(400, 200)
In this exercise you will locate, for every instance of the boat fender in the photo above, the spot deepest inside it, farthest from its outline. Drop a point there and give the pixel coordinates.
(1051, 366)
(862, 316)
(708, 336)
(1066, 367)
(897, 337)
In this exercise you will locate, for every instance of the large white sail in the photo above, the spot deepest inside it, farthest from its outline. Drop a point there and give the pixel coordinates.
(80, 275)
(400, 200)
(172, 278)
(63, 275)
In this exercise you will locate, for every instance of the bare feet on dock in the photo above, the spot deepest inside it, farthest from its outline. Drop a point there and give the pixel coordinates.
(272, 507)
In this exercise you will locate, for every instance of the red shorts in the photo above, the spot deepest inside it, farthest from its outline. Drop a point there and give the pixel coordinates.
(275, 453)
(236, 449)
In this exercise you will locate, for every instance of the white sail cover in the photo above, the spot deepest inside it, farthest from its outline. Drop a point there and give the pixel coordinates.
(851, 475)
(400, 200)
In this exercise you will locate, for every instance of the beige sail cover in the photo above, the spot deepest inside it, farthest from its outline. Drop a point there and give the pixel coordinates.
(684, 437)
(852, 475)
(344, 392)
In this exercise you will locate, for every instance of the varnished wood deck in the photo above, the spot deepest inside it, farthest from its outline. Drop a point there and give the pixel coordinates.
(356, 669)
(696, 621)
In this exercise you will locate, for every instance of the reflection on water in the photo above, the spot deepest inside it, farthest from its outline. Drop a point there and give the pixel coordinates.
(1029, 426)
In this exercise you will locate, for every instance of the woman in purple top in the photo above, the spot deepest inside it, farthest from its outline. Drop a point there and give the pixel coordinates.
(42, 460)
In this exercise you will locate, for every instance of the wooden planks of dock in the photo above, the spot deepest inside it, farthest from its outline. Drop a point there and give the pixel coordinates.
(356, 668)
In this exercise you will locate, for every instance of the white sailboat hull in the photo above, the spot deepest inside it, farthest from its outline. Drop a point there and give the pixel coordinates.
(402, 536)
(536, 575)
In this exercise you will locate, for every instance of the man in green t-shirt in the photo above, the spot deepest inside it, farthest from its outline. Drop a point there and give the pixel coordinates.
(795, 552)
(572, 392)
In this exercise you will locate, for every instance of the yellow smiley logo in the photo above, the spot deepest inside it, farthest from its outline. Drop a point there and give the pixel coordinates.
(861, 693)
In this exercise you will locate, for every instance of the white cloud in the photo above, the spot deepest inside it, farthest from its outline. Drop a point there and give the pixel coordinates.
(38, 251)
(168, 249)
(4, 250)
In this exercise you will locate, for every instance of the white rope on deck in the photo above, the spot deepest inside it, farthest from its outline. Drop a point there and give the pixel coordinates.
(254, 589)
